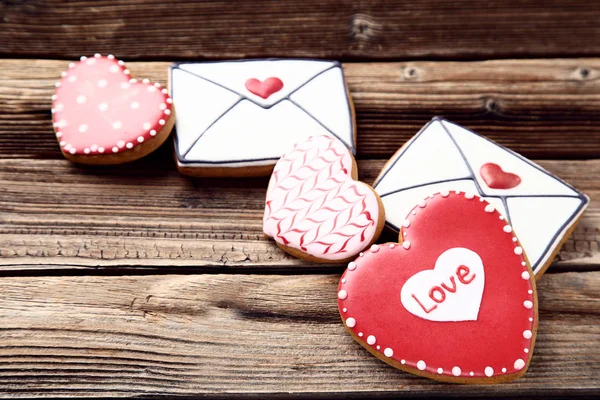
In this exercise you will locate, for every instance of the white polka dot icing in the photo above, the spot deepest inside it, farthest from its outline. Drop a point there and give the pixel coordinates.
(88, 107)
(488, 367)
(519, 364)
(518, 250)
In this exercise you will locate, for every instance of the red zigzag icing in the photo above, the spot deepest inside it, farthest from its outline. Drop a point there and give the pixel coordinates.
(313, 203)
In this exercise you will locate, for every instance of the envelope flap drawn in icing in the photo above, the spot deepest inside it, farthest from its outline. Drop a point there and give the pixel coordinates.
(326, 99)
(399, 204)
(540, 221)
(264, 82)
(267, 133)
(501, 172)
(429, 157)
(213, 103)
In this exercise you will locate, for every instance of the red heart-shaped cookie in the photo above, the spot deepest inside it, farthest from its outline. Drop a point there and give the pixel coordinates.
(496, 178)
(315, 208)
(264, 88)
(455, 301)
(98, 109)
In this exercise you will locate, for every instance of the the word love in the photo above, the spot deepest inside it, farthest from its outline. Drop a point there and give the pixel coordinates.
(451, 291)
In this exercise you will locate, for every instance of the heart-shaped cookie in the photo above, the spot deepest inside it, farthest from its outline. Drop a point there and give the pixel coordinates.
(315, 209)
(264, 88)
(496, 178)
(454, 301)
(103, 116)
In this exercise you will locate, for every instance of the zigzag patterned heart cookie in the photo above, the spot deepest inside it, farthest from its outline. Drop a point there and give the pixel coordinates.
(454, 301)
(315, 209)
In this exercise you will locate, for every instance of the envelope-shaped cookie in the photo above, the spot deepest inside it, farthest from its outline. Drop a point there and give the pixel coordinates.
(443, 156)
(236, 117)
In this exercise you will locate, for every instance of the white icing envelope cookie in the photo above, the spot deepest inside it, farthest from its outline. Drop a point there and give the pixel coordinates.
(237, 118)
(443, 156)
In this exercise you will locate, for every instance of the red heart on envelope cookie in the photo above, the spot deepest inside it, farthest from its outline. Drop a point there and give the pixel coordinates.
(455, 301)
(264, 88)
(496, 178)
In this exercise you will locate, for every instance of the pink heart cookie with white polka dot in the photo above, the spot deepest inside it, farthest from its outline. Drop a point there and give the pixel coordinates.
(101, 115)
(454, 301)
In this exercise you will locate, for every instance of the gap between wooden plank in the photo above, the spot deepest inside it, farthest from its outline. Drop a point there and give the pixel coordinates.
(540, 108)
(147, 218)
(247, 335)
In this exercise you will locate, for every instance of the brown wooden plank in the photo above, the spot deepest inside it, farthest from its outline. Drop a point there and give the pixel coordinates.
(54, 215)
(248, 335)
(346, 29)
(540, 108)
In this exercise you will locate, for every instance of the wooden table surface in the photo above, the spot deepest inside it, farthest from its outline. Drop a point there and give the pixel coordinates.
(136, 281)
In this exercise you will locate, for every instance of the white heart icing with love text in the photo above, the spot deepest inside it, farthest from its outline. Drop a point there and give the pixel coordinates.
(451, 291)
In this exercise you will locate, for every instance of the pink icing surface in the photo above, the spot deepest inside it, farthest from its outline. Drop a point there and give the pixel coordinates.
(99, 109)
(314, 205)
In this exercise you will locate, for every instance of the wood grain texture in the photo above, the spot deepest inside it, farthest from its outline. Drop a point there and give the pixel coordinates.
(344, 29)
(540, 108)
(248, 335)
(54, 215)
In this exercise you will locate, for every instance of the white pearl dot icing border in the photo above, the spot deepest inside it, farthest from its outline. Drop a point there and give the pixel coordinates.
(102, 83)
(421, 365)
